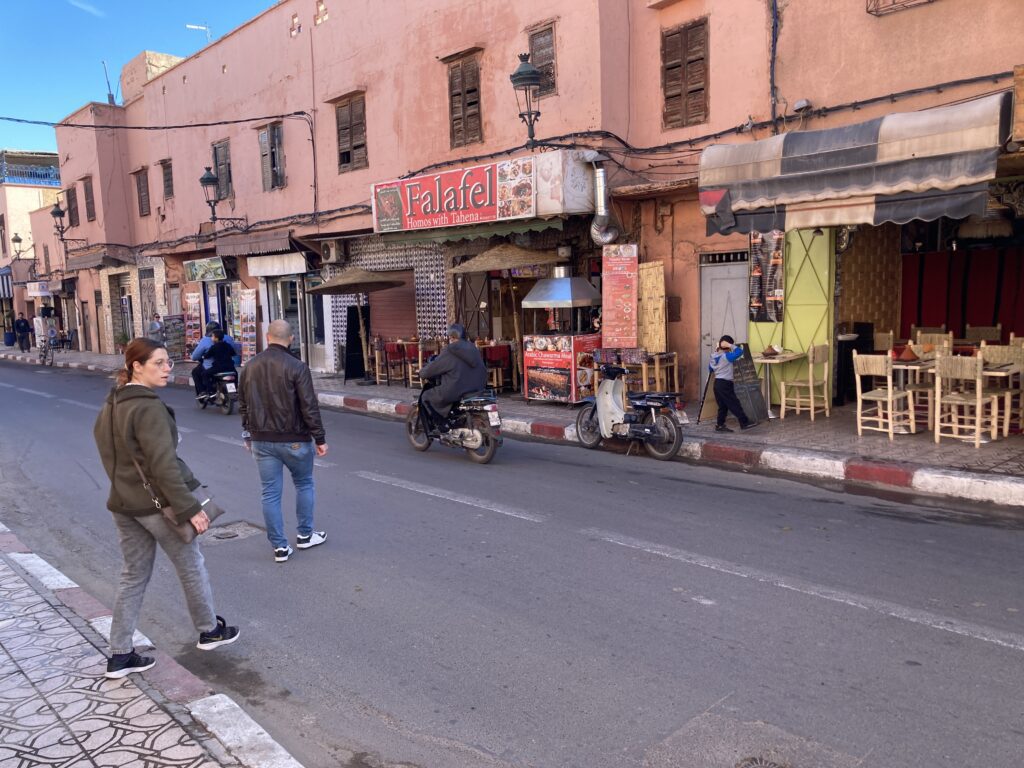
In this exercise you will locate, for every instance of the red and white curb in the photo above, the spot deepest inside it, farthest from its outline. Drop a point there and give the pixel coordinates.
(247, 742)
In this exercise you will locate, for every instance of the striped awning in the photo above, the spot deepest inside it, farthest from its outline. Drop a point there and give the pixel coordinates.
(901, 167)
(6, 284)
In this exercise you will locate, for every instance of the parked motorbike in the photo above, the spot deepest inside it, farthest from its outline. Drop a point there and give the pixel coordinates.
(650, 417)
(224, 394)
(473, 424)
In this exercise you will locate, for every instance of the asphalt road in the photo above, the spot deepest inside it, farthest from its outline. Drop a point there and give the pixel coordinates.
(560, 607)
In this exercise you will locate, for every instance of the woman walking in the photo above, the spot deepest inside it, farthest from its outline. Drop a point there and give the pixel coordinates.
(136, 425)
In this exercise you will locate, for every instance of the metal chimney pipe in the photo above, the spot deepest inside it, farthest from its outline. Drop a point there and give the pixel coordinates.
(603, 230)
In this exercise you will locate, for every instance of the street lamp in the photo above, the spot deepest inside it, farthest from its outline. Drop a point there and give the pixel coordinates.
(209, 182)
(60, 228)
(526, 80)
(16, 242)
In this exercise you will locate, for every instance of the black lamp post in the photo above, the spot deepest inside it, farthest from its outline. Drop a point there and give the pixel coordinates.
(60, 228)
(16, 242)
(209, 182)
(526, 80)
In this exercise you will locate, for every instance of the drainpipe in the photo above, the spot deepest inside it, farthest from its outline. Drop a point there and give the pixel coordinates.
(603, 229)
(771, 65)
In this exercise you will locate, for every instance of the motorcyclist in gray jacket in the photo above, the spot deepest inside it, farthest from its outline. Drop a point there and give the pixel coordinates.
(461, 369)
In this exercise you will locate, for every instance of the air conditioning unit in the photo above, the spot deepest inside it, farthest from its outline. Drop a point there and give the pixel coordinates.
(334, 252)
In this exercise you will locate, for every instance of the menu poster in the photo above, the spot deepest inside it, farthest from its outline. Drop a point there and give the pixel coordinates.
(583, 348)
(247, 323)
(548, 364)
(174, 336)
(767, 277)
(619, 279)
(193, 321)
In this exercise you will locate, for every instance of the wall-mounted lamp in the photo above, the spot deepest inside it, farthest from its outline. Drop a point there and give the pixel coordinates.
(526, 80)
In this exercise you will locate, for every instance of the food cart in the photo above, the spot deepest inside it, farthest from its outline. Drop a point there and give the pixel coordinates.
(559, 365)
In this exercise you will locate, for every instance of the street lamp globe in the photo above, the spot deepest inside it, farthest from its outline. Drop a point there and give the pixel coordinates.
(209, 183)
(57, 212)
(16, 241)
(526, 80)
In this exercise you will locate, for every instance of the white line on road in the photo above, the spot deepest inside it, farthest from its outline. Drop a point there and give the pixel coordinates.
(44, 373)
(322, 463)
(5, 384)
(34, 392)
(185, 430)
(228, 440)
(80, 404)
(893, 610)
(440, 493)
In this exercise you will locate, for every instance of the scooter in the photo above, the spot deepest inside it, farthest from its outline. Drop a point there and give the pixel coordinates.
(650, 416)
(224, 394)
(473, 424)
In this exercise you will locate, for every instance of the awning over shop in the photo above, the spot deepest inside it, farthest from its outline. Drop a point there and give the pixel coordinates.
(279, 264)
(472, 232)
(506, 256)
(96, 256)
(278, 241)
(901, 167)
(6, 284)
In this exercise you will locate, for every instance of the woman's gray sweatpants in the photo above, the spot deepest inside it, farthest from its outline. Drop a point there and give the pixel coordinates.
(139, 537)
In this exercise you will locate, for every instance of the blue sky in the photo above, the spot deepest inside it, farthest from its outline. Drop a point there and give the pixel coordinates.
(51, 52)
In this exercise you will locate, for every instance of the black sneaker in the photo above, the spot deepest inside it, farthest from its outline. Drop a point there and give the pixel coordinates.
(222, 635)
(123, 664)
(722, 428)
(281, 554)
(749, 425)
(315, 538)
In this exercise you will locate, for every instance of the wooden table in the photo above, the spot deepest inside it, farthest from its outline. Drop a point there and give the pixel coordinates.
(768, 362)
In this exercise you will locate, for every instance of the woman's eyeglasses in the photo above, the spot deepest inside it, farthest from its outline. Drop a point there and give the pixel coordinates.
(168, 364)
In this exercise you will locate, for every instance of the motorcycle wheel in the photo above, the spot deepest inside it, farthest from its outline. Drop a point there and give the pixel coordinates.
(227, 404)
(418, 439)
(488, 448)
(666, 446)
(588, 429)
(201, 404)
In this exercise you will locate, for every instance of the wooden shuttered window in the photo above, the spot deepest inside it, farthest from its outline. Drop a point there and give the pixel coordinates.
(222, 167)
(90, 200)
(684, 74)
(350, 114)
(167, 172)
(142, 190)
(71, 197)
(464, 102)
(271, 141)
(542, 56)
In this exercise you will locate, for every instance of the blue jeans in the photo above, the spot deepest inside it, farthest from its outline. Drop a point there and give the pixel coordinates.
(271, 458)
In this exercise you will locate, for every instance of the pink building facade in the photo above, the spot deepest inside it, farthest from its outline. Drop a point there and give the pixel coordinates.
(302, 109)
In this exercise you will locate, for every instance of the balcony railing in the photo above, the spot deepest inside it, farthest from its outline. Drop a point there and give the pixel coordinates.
(39, 175)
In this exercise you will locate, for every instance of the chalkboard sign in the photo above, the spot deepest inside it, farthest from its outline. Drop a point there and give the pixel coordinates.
(748, 391)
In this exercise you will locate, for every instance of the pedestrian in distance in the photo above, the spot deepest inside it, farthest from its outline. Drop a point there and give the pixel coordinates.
(720, 364)
(137, 437)
(23, 329)
(281, 427)
(156, 329)
(199, 372)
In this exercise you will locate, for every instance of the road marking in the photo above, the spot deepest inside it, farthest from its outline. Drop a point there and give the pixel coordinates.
(4, 384)
(34, 392)
(185, 430)
(44, 373)
(324, 464)
(440, 493)
(229, 440)
(46, 574)
(80, 404)
(894, 610)
(703, 600)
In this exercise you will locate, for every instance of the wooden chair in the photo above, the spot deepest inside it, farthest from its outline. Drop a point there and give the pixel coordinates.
(497, 358)
(394, 362)
(922, 386)
(960, 413)
(889, 408)
(416, 356)
(936, 339)
(793, 392)
(916, 329)
(884, 342)
(1011, 392)
(1015, 340)
(380, 374)
(992, 333)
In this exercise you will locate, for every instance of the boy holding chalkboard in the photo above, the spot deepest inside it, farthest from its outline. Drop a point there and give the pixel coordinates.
(725, 393)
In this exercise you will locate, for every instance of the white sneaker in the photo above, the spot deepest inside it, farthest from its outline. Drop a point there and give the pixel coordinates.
(315, 538)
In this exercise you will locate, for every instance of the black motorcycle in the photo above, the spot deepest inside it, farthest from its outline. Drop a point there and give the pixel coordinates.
(224, 394)
(473, 424)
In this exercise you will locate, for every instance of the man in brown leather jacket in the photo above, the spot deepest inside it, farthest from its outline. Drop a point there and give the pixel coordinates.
(281, 423)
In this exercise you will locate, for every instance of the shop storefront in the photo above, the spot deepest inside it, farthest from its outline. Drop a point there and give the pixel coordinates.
(890, 225)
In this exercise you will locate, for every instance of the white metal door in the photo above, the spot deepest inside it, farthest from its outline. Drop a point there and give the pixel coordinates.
(723, 308)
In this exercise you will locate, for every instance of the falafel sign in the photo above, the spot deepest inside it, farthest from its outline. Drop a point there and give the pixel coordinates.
(483, 193)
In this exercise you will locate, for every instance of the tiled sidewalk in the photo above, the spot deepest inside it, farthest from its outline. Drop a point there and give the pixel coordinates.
(57, 709)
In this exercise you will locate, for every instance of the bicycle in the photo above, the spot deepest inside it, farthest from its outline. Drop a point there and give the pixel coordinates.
(46, 351)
